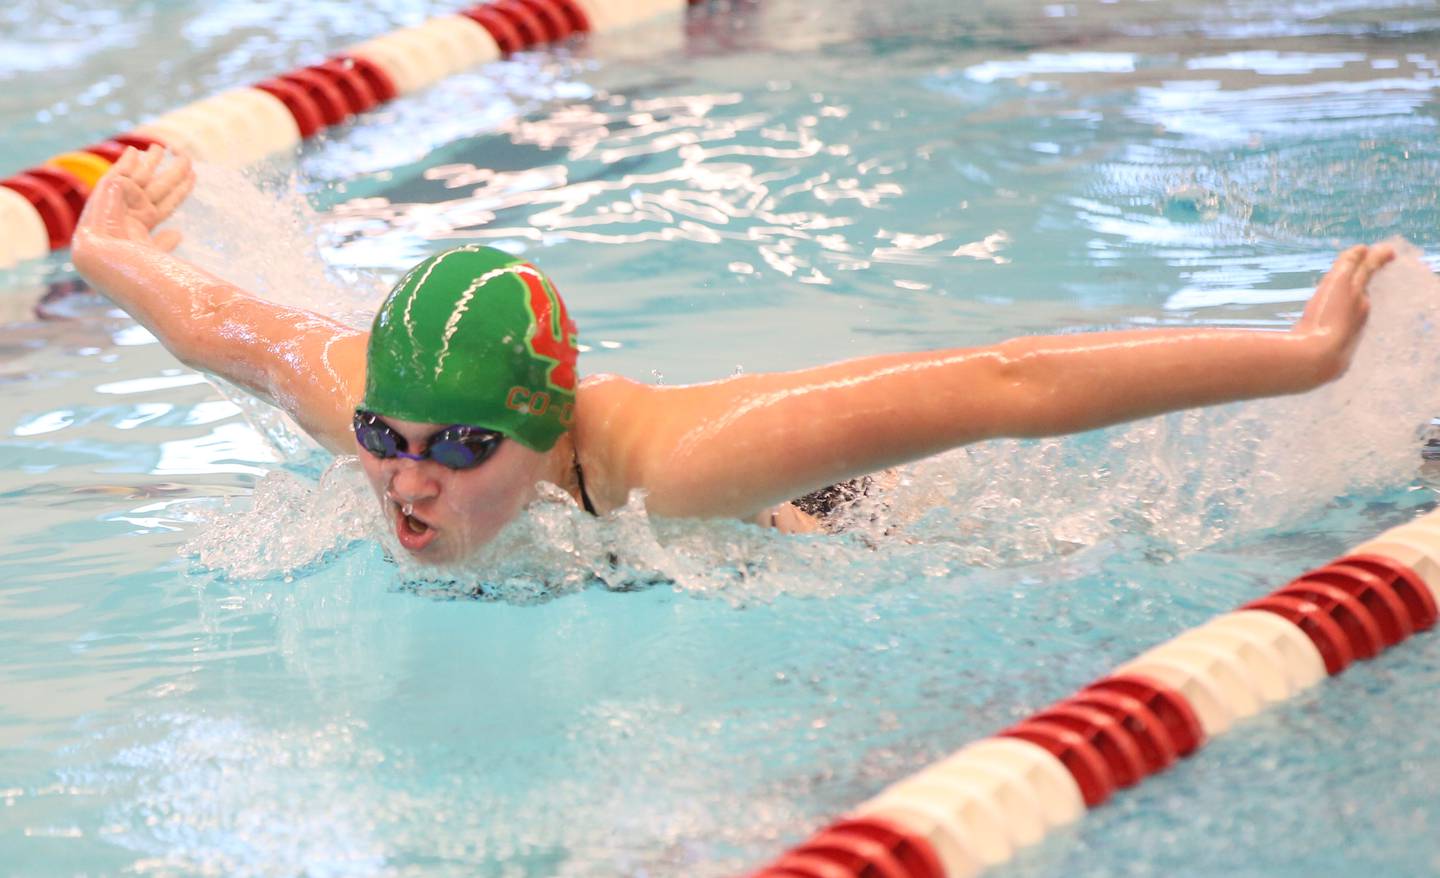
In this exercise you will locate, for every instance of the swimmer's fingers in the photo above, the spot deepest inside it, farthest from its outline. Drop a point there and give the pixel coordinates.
(149, 161)
(172, 175)
(125, 166)
(1338, 302)
(114, 210)
(137, 204)
(1353, 269)
(1345, 265)
(1340, 280)
(172, 200)
(167, 240)
(123, 207)
(126, 177)
(1337, 278)
(1373, 260)
(171, 186)
(139, 165)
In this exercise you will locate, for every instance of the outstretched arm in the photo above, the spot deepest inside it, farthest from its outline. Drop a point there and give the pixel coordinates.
(307, 364)
(736, 446)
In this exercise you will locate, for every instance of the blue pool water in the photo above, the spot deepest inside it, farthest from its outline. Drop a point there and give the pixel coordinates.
(206, 667)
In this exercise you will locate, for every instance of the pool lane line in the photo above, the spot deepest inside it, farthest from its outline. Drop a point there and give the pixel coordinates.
(39, 206)
(977, 807)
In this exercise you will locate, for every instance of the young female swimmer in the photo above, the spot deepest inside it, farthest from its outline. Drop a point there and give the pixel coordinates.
(464, 396)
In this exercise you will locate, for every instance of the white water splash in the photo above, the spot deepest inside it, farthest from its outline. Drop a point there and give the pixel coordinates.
(288, 525)
(260, 234)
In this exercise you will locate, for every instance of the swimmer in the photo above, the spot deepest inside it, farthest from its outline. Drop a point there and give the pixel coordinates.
(465, 395)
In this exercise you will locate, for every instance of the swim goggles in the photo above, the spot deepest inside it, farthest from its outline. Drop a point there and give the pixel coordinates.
(455, 447)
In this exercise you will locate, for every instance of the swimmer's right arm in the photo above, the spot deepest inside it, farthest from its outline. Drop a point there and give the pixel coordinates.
(305, 363)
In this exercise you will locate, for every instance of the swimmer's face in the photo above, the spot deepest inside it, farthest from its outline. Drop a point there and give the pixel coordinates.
(452, 512)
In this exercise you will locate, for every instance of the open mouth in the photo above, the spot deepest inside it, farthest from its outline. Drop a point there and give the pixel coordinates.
(414, 533)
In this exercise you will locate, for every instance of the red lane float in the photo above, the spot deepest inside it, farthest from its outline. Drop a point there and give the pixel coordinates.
(1075, 752)
(376, 80)
(1419, 603)
(354, 88)
(380, 82)
(965, 810)
(247, 124)
(530, 26)
(307, 114)
(859, 848)
(1106, 734)
(26, 234)
(501, 29)
(50, 203)
(554, 25)
(1322, 630)
(139, 141)
(1174, 712)
(109, 150)
(1374, 594)
(855, 854)
(323, 92)
(798, 865)
(557, 21)
(1354, 620)
(914, 854)
(575, 15)
(1144, 727)
(66, 184)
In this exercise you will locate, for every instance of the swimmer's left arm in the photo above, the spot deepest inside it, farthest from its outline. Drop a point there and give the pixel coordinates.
(733, 447)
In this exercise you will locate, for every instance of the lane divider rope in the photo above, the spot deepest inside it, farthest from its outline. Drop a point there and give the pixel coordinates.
(977, 807)
(40, 206)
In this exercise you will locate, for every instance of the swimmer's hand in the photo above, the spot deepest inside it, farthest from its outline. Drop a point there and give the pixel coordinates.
(135, 196)
(1336, 313)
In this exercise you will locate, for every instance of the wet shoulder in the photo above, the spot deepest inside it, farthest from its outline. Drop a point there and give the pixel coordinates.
(613, 417)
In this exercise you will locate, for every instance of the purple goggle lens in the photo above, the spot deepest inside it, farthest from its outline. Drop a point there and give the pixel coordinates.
(455, 447)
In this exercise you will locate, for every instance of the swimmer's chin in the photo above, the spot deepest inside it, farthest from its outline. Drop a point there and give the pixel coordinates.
(437, 553)
(427, 556)
(432, 548)
(420, 542)
(436, 556)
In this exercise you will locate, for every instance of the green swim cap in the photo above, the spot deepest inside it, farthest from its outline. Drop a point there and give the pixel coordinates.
(475, 336)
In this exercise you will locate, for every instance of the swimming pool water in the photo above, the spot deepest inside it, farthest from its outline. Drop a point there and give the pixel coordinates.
(771, 185)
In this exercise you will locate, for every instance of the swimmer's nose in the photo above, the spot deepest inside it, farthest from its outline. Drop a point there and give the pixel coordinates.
(409, 483)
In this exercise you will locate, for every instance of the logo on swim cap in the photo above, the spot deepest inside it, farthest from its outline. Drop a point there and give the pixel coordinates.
(475, 336)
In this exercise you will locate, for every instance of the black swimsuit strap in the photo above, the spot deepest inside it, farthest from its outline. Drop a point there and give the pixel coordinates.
(584, 497)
